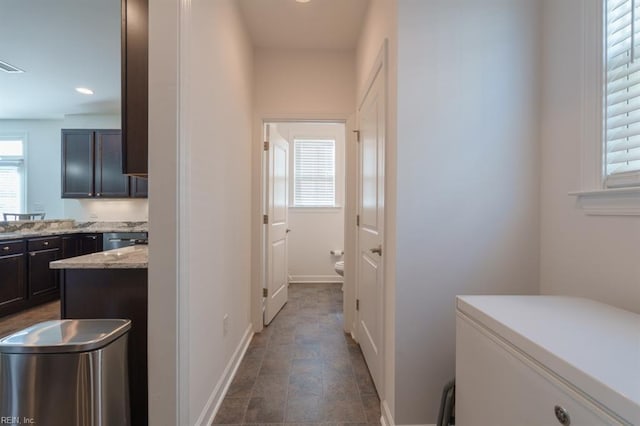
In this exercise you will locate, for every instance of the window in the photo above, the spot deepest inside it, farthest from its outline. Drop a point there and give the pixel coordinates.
(622, 94)
(314, 173)
(12, 186)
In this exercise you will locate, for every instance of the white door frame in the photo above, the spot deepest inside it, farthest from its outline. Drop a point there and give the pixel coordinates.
(259, 239)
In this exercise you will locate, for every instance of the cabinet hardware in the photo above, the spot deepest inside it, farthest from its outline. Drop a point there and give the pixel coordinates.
(357, 132)
(46, 243)
(562, 415)
(89, 194)
(357, 304)
(265, 219)
(265, 292)
(32, 254)
(7, 248)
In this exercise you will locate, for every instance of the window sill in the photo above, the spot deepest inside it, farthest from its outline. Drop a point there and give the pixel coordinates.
(609, 202)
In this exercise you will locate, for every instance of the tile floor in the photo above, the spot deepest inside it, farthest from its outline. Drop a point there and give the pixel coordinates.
(24, 319)
(303, 368)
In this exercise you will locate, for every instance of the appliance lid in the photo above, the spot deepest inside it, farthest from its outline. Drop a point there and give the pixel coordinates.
(65, 336)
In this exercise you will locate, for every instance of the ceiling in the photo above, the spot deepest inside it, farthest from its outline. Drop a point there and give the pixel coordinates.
(61, 45)
(65, 44)
(318, 24)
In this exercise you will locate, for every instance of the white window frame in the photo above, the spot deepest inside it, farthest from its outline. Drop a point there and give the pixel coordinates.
(292, 202)
(23, 169)
(594, 197)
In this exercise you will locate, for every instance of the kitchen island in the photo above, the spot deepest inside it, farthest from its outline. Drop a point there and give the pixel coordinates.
(112, 284)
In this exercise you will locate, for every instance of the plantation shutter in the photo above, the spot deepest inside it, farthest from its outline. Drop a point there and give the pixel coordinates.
(10, 187)
(314, 173)
(622, 97)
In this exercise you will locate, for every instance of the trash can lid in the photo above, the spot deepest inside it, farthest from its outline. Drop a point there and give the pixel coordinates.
(65, 336)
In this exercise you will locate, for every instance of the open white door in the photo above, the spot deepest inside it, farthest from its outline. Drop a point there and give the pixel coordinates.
(370, 288)
(277, 196)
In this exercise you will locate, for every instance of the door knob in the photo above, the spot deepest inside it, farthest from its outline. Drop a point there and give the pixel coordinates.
(288, 230)
(377, 250)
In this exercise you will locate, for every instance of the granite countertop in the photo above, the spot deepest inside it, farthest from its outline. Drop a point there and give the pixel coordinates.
(43, 228)
(133, 257)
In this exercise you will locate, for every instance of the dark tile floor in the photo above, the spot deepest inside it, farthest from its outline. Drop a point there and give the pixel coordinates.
(24, 319)
(303, 368)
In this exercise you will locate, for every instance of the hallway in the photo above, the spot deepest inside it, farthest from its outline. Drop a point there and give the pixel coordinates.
(303, 368)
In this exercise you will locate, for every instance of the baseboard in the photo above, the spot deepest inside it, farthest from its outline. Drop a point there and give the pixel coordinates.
(386, 419)
(315, 279)
(219, 392)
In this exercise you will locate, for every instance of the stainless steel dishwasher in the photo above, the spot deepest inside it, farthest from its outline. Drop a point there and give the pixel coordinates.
(114, 240)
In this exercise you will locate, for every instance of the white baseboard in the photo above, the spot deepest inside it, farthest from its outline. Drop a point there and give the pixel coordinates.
(386, 419)
(315, 279)
(221, 388)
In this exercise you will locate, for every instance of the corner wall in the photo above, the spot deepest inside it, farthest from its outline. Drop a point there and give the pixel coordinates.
(585, 256)
(468, 177)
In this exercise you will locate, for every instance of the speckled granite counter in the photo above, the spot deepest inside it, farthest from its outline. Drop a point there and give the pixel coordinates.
(43, 228)
(134, 257)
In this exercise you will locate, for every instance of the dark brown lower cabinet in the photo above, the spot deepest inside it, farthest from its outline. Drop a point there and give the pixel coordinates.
(43, 284)
(13, 263)
(114, 293)
(80, 244)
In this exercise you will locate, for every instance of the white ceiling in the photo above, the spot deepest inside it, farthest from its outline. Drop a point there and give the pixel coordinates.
(61, 45)
(319, 24)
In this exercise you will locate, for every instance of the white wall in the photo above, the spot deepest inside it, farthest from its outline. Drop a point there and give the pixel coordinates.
(468, 177)
(299, 84)
(215, 187)
(315, 232)
(381, 27)
(292, 82)
(43, 162)
(586, 256)
(167, 389)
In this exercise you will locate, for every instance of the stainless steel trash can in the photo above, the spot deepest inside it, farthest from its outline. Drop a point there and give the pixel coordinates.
(66, 373)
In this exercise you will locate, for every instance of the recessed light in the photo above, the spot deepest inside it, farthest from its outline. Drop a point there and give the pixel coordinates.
(303, 1)
(84, 90)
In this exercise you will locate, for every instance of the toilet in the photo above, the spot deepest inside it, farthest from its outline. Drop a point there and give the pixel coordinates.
(339, 267)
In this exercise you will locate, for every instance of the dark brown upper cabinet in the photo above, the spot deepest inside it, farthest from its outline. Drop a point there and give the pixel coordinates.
(135, 81)
(92, 164)
(139, 187)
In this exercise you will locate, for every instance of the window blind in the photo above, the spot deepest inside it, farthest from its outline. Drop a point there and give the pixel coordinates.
(10, 187)
(314, 173)
(622, 97)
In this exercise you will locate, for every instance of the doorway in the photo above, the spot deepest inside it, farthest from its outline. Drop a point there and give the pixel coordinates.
(304, 169)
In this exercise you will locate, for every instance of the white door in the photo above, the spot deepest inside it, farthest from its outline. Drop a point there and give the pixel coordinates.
(370, 288)
(277, 187)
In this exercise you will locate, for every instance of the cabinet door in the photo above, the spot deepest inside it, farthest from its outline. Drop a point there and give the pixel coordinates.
(497, 386)
(139, 187)
(135, 76)
(12, 281)
(90, 243)
(42, 280)
(77, 163)
(69, 245)
(110, 182)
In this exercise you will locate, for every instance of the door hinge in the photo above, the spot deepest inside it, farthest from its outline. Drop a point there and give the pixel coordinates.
(357, 132)
(357, 220)
(357, 304)
(265, 292)
(266, 145)
(265, 219)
